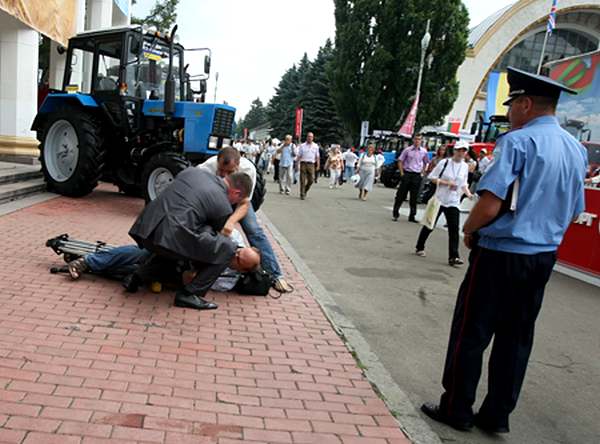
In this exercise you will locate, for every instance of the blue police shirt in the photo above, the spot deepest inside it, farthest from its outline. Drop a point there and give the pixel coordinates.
(551, 166)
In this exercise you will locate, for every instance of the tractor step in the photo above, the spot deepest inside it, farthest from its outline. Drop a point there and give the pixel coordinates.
(18, 190)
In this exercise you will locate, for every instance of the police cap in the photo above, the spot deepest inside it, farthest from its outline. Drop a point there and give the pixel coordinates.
(523, 83)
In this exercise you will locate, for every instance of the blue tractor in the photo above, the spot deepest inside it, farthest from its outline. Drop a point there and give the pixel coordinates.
(134, 120)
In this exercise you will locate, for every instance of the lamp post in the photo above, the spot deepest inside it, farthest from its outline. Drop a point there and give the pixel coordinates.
(424, 45)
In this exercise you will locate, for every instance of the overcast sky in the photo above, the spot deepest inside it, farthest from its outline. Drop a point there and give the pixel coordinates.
(255, 41)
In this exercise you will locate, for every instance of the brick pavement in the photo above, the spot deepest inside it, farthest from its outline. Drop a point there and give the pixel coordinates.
(83, 362)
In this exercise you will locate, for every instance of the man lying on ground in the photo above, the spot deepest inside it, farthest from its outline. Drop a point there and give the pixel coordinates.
(183, 224)
(228, 162)
(122, 262)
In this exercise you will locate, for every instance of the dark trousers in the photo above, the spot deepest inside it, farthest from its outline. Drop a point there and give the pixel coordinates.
(276, 170)
(452, 217)
(500, 296)
(410, 182)
(166, 268)
(307, 177)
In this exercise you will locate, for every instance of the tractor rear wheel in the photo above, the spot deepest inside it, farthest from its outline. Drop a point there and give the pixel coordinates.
(160, 171)
(71, 153)
(260, 190)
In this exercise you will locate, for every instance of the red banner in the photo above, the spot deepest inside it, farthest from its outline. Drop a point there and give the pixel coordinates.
(298, 126)
(408, 127)
(245, 133)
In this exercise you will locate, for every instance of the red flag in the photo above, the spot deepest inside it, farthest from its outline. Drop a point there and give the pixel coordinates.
(298, 127)
(408, 127)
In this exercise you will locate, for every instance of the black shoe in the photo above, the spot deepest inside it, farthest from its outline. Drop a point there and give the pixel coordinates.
(456, 261)
(131, 283)
(433, 411)
(413, 220)
(186, 300)
(489, 426)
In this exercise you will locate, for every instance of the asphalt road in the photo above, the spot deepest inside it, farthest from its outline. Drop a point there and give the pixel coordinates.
(403, 304)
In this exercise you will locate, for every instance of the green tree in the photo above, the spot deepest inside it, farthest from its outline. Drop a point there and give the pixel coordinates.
(282, 105)
(319, 110)
(257, 115)
(377, 53)
(163, 15)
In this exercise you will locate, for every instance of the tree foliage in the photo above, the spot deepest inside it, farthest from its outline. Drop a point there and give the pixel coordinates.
(307, 85)
(257, 116)
(377, 54)
(163, 15)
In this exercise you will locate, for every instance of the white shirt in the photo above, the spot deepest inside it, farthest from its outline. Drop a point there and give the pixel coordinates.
(380, 160)
(246, 167)
(367, 163)
(350, 158)
(484, 164)
(229, 277)
(457, 172)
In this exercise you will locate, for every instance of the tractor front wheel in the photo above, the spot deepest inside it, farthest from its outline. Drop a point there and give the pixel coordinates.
(71, 153)
(159, 172)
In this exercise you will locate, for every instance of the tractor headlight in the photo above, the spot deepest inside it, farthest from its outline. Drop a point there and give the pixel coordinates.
(212, 143)
(226, 142)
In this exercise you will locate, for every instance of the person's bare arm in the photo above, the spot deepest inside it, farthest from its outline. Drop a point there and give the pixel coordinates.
(401, 167)
(239, 213)
(485, 210)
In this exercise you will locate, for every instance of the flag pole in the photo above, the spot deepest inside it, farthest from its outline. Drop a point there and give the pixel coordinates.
(539, 70)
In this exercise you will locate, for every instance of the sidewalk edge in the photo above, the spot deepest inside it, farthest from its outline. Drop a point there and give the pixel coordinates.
(410, 421)
(26, 202)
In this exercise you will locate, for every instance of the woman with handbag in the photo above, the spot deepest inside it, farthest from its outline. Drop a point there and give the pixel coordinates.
(451, 177)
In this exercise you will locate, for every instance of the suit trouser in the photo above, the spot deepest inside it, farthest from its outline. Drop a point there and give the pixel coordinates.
(164, 268)
(501, 296)
(307, 177)
(410, 182)
(452, 217)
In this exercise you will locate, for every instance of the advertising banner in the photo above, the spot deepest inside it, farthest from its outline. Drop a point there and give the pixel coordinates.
(408, 127)
(298, 126)
(497, 94)
(55, 19)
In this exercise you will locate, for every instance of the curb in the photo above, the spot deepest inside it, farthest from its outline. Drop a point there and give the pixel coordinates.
(410, 421)
(19, 204)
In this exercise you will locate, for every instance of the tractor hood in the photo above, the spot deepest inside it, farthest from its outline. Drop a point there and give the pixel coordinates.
(201, 122)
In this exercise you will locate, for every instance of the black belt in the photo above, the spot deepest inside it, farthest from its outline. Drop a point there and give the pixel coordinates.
(411, 172)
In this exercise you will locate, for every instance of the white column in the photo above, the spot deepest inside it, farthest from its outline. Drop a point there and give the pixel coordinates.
(57, 61)
(18, 85)
(119, 18)
(98, 15)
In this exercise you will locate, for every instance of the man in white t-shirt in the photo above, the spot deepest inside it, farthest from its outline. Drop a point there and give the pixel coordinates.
(227, 162)
(350, 159)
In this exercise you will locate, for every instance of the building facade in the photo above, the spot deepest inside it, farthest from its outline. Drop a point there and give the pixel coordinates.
(514, 36)
(22, 23)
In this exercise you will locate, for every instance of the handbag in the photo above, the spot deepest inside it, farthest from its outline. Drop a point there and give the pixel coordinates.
(433, 206)
(429, 192)
(254, 283)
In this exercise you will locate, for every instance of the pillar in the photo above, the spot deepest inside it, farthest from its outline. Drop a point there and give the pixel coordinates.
(18, 87)
(57, 61)
(121, 13)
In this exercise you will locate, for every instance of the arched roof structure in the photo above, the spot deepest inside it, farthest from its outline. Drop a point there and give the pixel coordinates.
(493, 38)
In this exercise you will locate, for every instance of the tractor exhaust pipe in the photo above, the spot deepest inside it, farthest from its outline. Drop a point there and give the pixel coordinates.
(170, 82)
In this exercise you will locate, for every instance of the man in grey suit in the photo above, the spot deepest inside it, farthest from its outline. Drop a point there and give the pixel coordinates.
(184, 223)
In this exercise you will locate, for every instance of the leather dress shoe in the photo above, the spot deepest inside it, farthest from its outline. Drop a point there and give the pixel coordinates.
(489, 426)
(186, 300)
(131, 283)
(413, 220)
(434, 412)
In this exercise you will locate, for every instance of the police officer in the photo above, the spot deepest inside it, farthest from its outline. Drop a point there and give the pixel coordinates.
(529, 196)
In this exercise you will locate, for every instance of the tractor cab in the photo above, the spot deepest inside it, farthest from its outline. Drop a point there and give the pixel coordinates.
(128, 114)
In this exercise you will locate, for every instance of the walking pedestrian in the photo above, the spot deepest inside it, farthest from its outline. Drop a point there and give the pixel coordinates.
(367, 163)
(412, 164)
(450, 177)
(514, 234)
(276, 160)
(379, 168)
(287, 153)
(308, 156)
(334, 164)
(350, 159)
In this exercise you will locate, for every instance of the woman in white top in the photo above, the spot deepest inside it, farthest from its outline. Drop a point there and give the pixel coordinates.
(450, 176)
(366, 170)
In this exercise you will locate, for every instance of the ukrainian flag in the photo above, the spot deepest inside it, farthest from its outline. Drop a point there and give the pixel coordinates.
(497, 94)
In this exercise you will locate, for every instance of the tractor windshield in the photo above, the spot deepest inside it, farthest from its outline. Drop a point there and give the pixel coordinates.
(147, 73)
